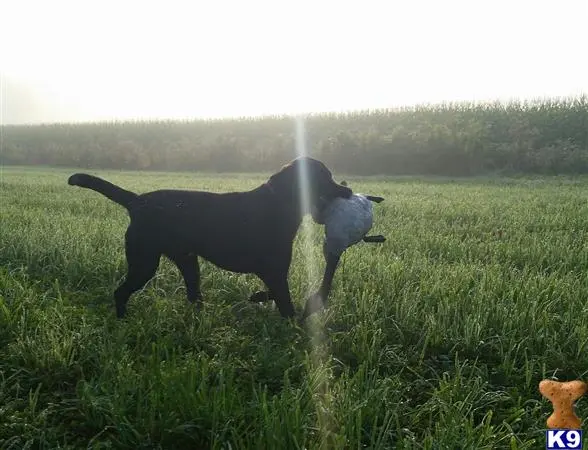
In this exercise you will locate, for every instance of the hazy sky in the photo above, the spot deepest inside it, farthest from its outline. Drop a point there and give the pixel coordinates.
(92, 60)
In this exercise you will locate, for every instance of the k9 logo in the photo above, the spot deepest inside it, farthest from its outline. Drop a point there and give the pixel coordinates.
(566, 439)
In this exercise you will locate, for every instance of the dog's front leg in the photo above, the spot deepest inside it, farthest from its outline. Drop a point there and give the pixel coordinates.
(319, 300)
(279, 291)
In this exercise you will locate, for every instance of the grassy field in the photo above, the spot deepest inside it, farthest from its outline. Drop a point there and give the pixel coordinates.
(436, 339)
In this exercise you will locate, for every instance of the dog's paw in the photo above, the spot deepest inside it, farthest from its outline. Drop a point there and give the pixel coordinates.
(313, 304)
(260, 297)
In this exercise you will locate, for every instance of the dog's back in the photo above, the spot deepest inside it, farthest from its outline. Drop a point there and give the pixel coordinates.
(228, 229)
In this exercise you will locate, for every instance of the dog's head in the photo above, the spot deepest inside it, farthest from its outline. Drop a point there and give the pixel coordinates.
(319, 181)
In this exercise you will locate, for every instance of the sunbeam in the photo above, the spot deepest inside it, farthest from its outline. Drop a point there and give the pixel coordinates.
(319, 369)
(301, 151)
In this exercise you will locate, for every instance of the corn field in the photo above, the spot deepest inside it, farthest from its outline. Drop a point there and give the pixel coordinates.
(547, 136)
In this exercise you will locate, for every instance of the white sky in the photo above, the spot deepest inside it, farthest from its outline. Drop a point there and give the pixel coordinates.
(104, 59)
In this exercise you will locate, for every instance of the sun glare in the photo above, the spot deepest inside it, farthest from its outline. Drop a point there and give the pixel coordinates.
(319, 351)
(87, 61)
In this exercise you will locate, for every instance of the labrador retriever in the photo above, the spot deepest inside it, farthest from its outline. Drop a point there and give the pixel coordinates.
(244, 232)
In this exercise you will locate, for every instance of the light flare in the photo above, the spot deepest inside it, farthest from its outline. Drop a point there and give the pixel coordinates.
(319, 369)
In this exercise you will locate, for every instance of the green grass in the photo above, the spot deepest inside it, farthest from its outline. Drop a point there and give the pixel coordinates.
(436, 339)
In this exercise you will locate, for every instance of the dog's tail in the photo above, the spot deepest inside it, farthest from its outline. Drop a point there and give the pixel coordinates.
(109, 190)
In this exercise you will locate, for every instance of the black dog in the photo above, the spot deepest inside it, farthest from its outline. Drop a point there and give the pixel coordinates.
(244, 232)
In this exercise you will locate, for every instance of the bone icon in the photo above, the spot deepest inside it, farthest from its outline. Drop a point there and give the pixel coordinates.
(562, 395)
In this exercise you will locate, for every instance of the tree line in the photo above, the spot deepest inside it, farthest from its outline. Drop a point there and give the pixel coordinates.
(548, 136)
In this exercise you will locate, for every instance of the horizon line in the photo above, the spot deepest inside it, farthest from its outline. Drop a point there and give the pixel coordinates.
(510, 101)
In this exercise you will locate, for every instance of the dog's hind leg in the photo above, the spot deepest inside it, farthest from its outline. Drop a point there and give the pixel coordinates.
(190, 270)
(141, 266)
